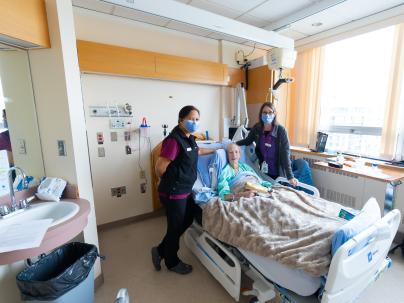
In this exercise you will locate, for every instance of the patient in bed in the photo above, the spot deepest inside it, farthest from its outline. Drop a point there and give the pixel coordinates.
(238, 179)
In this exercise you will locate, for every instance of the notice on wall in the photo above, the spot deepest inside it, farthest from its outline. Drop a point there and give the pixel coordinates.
(4, 167)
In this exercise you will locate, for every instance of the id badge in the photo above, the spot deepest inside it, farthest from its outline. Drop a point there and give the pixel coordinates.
(264, 167)
(189, 148)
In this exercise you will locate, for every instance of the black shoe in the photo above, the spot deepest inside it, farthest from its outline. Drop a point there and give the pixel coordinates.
(182, 268)
(156, 259)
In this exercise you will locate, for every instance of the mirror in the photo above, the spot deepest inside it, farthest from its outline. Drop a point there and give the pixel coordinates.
(19, 135)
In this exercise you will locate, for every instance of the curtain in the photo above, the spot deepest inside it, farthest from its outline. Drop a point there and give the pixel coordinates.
(303, 97)
(389, 132)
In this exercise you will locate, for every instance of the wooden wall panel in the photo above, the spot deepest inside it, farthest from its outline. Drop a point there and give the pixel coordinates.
(186, 69)
(236, 76)
(25, 20)
(108, 59)
(259, 81)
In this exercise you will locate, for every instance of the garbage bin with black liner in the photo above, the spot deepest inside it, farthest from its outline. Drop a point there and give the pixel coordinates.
(65, 275)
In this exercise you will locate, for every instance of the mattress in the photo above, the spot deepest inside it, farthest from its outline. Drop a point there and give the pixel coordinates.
(295, 280)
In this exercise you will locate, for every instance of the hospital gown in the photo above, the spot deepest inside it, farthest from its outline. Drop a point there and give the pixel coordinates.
(227, 175)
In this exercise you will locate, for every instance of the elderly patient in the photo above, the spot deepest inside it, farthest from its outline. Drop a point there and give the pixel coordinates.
(229, 186)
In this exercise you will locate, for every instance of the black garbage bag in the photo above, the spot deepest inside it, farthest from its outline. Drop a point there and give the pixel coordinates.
(58, 272)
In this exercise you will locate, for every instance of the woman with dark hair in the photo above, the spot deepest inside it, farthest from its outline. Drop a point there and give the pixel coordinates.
(177, 169)
(272, 144)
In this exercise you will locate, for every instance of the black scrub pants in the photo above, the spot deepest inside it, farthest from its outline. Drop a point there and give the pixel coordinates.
(180, 215)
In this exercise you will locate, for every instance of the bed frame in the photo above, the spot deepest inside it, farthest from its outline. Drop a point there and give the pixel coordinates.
(350, 274)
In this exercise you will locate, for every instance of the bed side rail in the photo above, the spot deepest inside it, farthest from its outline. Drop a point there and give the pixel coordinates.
(309, 188)
(361, 260)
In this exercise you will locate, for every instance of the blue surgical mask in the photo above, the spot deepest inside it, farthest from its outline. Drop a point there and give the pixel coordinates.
(191, 126)
(267, 118)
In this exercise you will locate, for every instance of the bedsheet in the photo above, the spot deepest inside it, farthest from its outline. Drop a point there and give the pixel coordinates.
(290, 227)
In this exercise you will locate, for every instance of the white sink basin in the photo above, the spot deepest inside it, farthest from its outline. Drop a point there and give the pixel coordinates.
(58, 211)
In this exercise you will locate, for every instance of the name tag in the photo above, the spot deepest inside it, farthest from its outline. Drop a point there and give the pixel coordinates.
(189, 148)
(268, 145)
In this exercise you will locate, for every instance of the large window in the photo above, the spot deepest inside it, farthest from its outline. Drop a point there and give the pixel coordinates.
(355, 90)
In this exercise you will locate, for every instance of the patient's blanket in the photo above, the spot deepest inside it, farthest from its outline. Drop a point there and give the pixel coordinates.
(290, 227)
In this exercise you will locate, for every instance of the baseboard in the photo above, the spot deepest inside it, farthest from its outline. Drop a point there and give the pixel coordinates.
(126, 221)
(98, 281)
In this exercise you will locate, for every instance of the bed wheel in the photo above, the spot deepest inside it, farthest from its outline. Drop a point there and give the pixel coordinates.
(253, 300)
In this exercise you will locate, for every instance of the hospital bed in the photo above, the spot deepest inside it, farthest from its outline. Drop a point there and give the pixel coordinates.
(355, 265)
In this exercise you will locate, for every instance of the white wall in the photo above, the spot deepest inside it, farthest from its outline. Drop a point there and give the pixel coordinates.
(149, 98)
(20, 108)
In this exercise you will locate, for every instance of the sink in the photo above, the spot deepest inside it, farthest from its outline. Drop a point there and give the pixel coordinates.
(58, 211)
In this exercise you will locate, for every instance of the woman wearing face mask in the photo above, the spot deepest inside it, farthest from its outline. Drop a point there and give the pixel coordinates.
(272, 145)
(177, 169)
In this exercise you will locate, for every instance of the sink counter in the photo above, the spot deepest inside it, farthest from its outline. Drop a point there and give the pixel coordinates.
(56, 235)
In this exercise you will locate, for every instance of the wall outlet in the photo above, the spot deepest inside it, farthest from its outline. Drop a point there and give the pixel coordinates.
(118, 191)
(143, 188)
(101, 152)
(142, 174)
(114, 136)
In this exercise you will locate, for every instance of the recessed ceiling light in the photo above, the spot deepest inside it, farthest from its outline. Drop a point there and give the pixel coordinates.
(316, 24)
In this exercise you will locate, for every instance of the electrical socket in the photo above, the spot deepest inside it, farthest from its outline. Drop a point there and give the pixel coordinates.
(118, 191)
(142, 174)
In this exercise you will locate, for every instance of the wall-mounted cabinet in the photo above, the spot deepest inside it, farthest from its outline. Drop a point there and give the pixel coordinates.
(116, 60)
(259, 82)
(24, 23)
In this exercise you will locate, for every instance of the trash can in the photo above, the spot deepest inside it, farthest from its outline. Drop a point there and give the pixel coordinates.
(65, 275)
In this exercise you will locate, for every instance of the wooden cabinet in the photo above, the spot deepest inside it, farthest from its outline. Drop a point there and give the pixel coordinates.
(109, 59)
(259, 82)
(24, 23)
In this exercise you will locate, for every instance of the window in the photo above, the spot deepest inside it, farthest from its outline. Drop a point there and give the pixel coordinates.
(354, 92)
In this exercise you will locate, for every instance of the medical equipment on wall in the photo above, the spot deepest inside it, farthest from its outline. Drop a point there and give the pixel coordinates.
(240, 107)
(165, 127)
(280, 59)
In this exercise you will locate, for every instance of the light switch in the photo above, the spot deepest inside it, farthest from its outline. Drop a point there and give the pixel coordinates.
(61, 148)
(21, 147)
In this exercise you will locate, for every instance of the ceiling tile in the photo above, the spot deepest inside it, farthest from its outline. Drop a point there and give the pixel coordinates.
(94, 5)
(140, 16)
(239, 5)
(217, 8)
(219, 36)
(249, 19)
(182, 27)
(295, 35)
(306, 27)
(273, 10)
(356, 9)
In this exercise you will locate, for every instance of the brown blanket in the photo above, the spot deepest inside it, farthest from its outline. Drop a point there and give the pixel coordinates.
(290, 227)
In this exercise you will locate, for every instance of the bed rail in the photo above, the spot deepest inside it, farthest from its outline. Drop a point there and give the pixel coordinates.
(361, 260)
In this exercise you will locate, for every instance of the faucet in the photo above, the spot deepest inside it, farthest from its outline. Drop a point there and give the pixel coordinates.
(14, 206)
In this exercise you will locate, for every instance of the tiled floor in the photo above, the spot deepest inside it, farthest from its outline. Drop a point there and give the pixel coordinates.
(128, 265)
